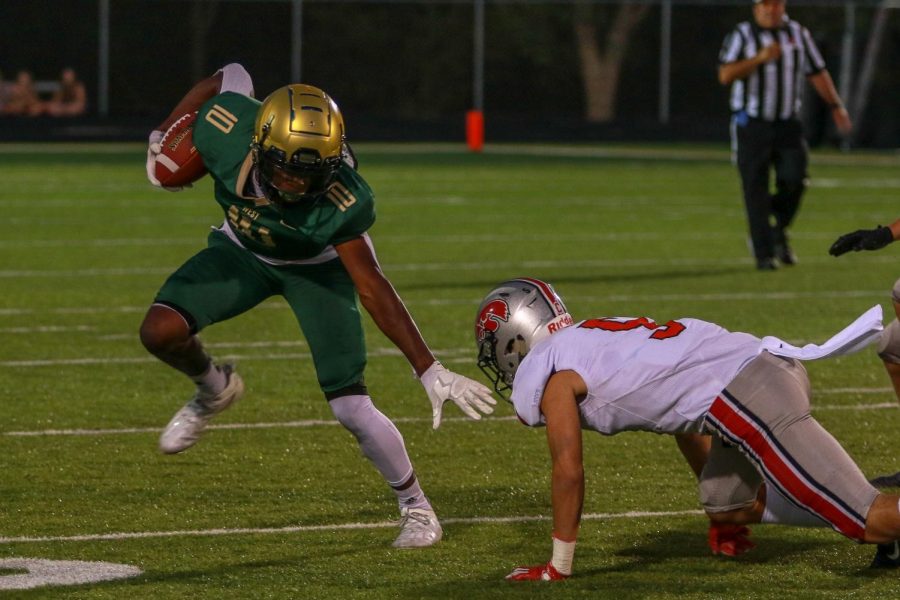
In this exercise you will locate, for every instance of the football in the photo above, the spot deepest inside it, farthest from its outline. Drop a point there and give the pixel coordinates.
(178, 162)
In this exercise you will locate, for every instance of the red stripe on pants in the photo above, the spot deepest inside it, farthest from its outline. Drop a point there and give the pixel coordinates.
(742, 428)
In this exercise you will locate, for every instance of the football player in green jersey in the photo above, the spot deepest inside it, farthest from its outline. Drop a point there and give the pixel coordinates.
(296, 217)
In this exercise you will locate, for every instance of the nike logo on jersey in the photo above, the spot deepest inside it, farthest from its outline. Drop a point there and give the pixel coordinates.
(288, 226)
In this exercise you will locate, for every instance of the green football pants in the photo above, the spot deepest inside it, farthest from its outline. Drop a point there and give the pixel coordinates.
(224, 281)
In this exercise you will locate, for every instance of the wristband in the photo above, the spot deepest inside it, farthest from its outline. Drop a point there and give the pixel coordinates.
(563, 553)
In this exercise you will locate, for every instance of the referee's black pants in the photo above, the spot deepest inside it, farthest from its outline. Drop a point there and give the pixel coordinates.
(759, 146)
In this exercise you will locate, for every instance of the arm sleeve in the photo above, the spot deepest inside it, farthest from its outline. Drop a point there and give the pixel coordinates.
(235, 78)
(814, 61)
(731, 47)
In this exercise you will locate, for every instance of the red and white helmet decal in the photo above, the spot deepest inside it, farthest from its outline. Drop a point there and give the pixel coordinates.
(548, 294)
(491, 316)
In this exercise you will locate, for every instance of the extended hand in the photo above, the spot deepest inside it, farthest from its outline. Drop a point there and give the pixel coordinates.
(469, 395)
(537, 573)
(862, 239)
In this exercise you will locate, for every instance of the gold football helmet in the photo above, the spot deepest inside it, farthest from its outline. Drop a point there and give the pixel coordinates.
(297, 142)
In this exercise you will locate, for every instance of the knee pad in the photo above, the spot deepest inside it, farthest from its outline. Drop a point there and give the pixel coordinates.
(729, 481)
(889, 346)
(353, 412)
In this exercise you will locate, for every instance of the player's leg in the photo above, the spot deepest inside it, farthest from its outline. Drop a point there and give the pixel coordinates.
(729, 489)
(324, 300)
(216, 284)
(765, 412)
(754, 156)
(791, 161)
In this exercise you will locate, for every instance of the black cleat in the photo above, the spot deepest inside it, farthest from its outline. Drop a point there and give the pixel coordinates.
(785, 255)
(887, 556)
(766, 264)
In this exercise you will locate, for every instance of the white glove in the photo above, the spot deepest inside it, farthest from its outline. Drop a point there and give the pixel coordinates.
(469, 395)
(153, 149)
(152, 152)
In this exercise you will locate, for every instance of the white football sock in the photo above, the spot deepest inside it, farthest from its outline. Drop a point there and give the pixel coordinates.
(212, 381)
(780, 510)
(381, 443)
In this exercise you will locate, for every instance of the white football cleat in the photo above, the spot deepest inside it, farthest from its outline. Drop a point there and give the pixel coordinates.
(185, 428)
(419, 528)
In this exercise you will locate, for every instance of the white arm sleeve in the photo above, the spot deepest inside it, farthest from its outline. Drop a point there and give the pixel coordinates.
(235, 78)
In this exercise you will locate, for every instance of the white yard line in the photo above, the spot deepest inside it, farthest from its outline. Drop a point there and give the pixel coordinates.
(449, 266)
(331, 527)
(893, 405)
(882, 294)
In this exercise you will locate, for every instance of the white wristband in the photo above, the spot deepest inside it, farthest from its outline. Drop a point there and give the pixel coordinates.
(563, 554)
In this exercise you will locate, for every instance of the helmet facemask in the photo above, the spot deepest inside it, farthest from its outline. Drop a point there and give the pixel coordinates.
(298, 143)
(305, 171)
(490, 365)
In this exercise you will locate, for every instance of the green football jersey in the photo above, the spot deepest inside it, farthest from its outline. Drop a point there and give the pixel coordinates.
(222, 135)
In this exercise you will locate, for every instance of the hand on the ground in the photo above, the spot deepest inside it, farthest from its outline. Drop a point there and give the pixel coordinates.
(537, 573)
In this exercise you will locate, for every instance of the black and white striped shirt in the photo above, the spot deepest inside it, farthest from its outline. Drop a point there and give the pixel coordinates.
(771, 92)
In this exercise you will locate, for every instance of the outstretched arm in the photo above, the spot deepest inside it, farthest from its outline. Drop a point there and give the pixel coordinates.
(559, 406)
(381, 301)
(866, 239)
(824, 86)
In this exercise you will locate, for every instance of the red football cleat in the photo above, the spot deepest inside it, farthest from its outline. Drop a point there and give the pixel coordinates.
(730, 540)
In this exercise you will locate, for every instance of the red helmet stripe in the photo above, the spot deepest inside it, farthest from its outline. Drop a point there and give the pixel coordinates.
(549, 295)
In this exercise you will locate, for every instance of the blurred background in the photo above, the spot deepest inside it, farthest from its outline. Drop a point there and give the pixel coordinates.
(540, 70)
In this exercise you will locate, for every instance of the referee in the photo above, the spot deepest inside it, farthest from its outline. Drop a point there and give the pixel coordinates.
(764, 61)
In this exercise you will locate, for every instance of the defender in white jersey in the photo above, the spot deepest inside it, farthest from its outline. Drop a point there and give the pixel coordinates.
(769, 462)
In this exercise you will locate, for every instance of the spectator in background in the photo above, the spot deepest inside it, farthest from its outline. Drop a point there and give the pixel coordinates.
(21, 97)
(70, 99)
(4, 91)
(765, 61)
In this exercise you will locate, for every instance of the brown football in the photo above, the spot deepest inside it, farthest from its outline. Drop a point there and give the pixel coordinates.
(178, 162)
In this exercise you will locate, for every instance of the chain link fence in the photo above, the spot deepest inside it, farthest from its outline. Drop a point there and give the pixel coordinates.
(403, 69)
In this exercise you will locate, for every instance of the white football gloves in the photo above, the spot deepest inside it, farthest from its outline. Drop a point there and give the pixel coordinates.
(469, 395)
(153, 149)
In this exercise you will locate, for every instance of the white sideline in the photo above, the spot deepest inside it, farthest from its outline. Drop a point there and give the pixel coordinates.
(331, 422)
(712, 297)
(336, 526)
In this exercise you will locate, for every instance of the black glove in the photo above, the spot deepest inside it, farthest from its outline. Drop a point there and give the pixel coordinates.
(886, 481)
(862, 239)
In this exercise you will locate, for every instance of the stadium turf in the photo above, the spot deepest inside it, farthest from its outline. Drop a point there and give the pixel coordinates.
(276, 501)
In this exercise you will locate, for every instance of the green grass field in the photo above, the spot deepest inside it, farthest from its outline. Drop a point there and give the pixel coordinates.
(291, 509)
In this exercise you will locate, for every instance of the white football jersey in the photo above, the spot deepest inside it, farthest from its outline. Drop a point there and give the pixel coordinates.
(640, 375)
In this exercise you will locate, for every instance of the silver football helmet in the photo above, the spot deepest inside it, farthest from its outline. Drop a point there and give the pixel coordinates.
(514, 317)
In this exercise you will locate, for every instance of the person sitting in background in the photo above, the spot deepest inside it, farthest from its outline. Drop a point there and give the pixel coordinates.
(21, 98)
(70, 99)
(4, 91)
